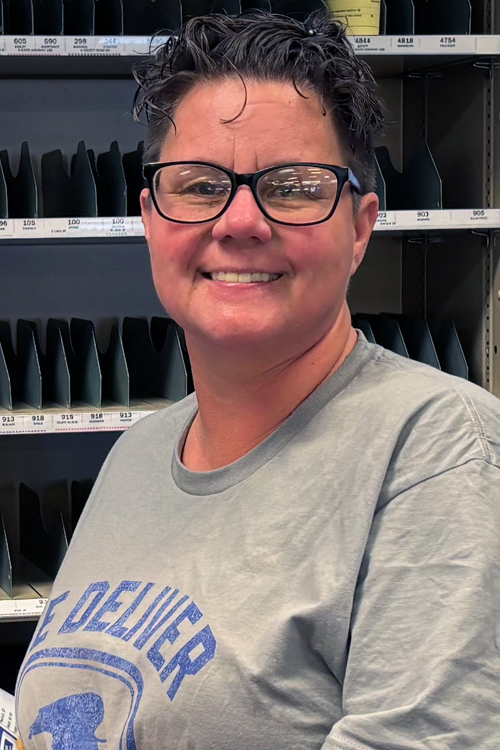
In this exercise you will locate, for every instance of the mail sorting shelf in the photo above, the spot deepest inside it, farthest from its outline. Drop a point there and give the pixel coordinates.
(448, 99)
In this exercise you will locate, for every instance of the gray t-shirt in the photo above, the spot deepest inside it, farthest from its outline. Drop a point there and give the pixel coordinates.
(338, 587)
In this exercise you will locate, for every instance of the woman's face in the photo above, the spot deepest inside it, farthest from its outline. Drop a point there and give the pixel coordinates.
(314, 263)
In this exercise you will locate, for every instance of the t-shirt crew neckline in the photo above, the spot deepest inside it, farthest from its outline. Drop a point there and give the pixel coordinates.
(219, 480)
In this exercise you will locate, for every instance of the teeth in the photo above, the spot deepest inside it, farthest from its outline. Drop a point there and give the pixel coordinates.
(243, 278)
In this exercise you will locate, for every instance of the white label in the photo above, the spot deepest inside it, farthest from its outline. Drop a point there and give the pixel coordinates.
(20, 45)
(2, 45)
(372, 43)
(49, 45)
(66, 422)
(407, 43)
(386, 219)
(136, 227)
(448, 44)
(126, 417)
(38, 423)
(56, 227)
(6, 228)
(479, 215)
(22, 607)
(9, 423)
(117, 226)
(109, 45)
(423, 216)
(80, 45)
(135, 45)
(488, 45)
(27, 227)
(97, 420)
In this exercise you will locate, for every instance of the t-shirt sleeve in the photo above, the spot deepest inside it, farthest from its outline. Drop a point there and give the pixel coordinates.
(423, 668)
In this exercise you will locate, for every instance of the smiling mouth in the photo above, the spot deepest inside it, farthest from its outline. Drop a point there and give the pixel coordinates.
(230, 277)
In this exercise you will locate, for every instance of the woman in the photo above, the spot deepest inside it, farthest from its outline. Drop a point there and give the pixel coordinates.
(305, 554)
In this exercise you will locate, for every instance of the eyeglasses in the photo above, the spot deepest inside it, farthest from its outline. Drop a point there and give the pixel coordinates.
(192, 192)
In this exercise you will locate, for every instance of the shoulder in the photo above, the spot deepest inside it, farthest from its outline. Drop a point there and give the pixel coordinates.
(442, 422)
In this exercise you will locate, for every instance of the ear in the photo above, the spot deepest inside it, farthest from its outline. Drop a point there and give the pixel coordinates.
(146, 208)
(364, 221)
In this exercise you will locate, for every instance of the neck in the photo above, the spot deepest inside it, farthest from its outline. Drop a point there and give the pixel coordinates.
(243, 398)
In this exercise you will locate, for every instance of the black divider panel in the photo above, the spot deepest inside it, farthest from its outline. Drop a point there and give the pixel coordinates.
(247, 5)
(2, 26)
(400, 17)
(359, 322)
(77, 363)
(83, 358)
(46, 548)
(56, 379)
(191, 8)
(144, 17)
(387, 332)
(48, 17)
(108, 17)
(149, 361)
(20, 375)
(8, 367)
(132, 165)
(296, 8)
(417, 187)
(442, 16)
(80, 492)
(29, 386)
(64, 194)
(6, 572)
(4, 200)
(154, 358)
(18, 17)
(380, 187)
(449, 349)
(111, 185)
(418, 339)
(114, 369)
(6, 399)
(79, 17)
(436, 344)
(22, 189)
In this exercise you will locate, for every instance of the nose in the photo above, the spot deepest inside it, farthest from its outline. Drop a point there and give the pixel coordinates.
(242, 220)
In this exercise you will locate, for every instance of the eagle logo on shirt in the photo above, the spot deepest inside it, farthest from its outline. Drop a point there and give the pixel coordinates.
(72, 722)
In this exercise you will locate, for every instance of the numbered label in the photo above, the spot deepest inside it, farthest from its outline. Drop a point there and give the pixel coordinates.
(80, 45)
(29, 226)
(65, 422)
(6, 228)
(386, 219)
(118, 225)
(479, 214)
(372, 43)
(109, 45)
(407, 43)
(20, 45)
(49, 45)
(39, 423)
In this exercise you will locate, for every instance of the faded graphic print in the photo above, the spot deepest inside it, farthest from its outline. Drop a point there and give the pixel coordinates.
(72, 722)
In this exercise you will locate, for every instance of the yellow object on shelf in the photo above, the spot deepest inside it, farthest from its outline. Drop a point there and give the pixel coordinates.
(361, 16)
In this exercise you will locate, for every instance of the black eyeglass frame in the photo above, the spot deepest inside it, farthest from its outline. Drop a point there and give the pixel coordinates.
(344, 175)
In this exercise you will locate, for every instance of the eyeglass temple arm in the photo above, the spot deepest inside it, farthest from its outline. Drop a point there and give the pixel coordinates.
(353, 180)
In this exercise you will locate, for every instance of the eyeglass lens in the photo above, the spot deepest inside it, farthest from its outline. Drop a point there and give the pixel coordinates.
(297, 195)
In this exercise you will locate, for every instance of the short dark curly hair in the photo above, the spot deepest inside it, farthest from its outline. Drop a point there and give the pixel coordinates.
(315, 55)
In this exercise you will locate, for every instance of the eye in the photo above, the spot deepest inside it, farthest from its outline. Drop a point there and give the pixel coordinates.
(206, 189)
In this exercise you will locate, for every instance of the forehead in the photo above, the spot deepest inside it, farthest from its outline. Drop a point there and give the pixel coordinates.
(263, 122)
